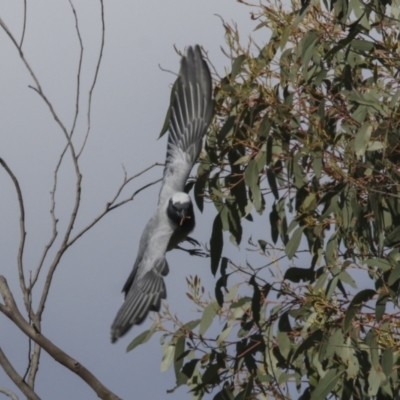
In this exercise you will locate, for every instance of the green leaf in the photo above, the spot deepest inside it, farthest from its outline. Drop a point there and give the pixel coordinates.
(370, 340)
(284, 343)
(227, 128)
(346, 278)
(251, 174)
(394, 275)
(263, 132)
(208, 315)
(237, 64)
(362, 45)
(168, 356)
(380, 263)
(355, 306)
(294, 242)
(142, 338)
(387, 361)
(326, 384)
(216, 244)
(393, 237)
(374, 383)
(361, 139)
(181, 379)
(380, 306)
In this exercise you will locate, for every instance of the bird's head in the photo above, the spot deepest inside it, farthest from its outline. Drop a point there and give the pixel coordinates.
(180, 211)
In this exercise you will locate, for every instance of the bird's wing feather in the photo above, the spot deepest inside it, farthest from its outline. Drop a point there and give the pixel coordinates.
(190, 116)
(145, 295)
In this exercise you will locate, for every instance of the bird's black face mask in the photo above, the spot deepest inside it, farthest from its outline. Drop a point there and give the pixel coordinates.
(181, 214)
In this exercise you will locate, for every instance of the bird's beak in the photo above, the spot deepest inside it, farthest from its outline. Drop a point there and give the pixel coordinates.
(184, 216)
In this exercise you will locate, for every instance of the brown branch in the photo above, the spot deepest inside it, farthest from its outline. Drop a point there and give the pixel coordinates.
(11, 310)
(15, 377)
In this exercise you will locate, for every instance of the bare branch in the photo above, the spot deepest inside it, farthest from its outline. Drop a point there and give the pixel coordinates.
(94, 79)
(11, 310)
(16, 378)
(34, 364)
(111, 205)
(8, 393)
(38, 89)
(78, 77)
(22, 234)
(23, 27)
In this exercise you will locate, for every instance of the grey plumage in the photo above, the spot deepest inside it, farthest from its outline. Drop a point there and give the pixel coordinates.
(190, 115)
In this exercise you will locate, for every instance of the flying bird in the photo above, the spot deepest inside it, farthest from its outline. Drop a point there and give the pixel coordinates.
(189, 117)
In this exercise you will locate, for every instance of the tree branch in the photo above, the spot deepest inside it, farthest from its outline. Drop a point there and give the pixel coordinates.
(22, 235)
(8, 393)
(89, 112)
(111, 206)
(16, 378)
(11, 310)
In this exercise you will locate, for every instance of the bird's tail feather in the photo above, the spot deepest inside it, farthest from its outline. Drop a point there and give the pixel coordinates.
(144, 296)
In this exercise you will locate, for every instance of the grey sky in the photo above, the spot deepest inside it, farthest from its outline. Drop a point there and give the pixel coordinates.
(128, 110)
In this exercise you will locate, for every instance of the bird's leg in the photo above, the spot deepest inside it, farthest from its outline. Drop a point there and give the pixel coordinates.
(194, 252)
(192, 241)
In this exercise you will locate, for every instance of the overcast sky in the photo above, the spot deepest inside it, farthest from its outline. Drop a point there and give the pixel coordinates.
(129, 105)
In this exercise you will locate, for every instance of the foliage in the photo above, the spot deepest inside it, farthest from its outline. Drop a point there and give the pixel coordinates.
(306, 131)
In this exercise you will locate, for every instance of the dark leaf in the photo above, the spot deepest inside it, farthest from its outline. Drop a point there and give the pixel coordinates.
(296, 275)
(216, 244)
(274, 221)
(272, 183)
(224, 394)
(312, 340)
(256, 300)
(210, 375)
(189, 367)
(355, 305)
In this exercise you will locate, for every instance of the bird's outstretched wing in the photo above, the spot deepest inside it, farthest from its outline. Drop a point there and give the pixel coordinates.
(190, 115)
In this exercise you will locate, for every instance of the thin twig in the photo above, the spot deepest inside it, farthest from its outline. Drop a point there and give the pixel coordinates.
(111, 204)
(94, 79)
(11, 310)
(34, 362)
(15, 377)
(78, 76)
(8, 393)
(22, 234)
(23, 27)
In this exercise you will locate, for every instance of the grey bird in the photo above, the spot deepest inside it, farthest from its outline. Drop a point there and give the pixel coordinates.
(190, 116)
